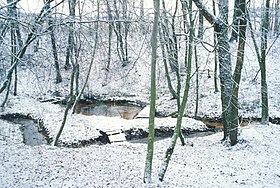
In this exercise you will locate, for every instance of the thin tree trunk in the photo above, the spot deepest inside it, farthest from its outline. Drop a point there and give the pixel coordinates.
(91, 62)
(254, 41)
(142, 19)
(30, 38)
(277, 14)
(69, 50)
(109, 11)
(264, 92)
(150, 147)
(126, 29)
(4, 30)
(233, 133)
(119, 34)
(58, 77)
(200, 26)
(69, 104)
(196, 82)
(215, 53)
(177, 131)
(169, 83)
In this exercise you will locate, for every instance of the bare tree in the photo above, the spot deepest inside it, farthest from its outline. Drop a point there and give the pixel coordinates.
(188, 62)
(74, 98)
(226, 81)
(58, 77)
(264, 92)
(150, 147)
(237, 72)
(70, 47)
(32, 35)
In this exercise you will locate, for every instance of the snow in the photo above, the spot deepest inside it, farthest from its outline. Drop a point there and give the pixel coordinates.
(253, 162)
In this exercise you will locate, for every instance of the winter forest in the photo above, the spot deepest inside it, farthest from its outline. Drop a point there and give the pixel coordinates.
(134, 93)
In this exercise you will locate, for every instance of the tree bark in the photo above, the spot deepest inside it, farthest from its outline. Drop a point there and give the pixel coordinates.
(167, 75)
(58, 77)
(276, 19)
(215, 53)
(221, 28)
(264, 92)
(177, 131)
(237, 73)
(150, 147)
(70, 47)
(235, 21)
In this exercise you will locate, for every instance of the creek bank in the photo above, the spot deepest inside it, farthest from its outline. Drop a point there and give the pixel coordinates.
(33, 130)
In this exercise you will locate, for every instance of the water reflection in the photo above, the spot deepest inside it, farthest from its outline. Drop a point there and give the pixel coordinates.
(123, 111)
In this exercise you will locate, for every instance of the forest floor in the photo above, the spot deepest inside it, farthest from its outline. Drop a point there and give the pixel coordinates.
(253, 162)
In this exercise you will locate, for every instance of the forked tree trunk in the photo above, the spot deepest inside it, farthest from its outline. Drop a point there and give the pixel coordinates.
(220, 27)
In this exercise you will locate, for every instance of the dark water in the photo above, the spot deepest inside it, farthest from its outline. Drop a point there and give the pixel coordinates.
(30, 132)
(123, 111)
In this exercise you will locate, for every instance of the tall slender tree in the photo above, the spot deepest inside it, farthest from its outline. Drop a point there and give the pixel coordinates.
(58, 77)
(264, 92)
(237, 72)
(150, 147)
(70, 47)
(188, 62)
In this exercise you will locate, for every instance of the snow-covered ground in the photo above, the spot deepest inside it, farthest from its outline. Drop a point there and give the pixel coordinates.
(254, 162)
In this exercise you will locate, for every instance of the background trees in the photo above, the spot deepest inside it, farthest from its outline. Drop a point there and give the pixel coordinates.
(116, 52)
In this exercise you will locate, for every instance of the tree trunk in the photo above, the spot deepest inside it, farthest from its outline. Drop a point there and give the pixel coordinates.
(177, 131)
(91, 62)
(276, 21)
(70, 47)
(169, 83)
(69, 104)
(264, 92)
(58, 77)
(200, 26)
(221, 27)
(215, 53)
(120, 40)
(196, 82)
(235, 21)
(150, 147)
(237, 74)
(142, 19)
(225, 66)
